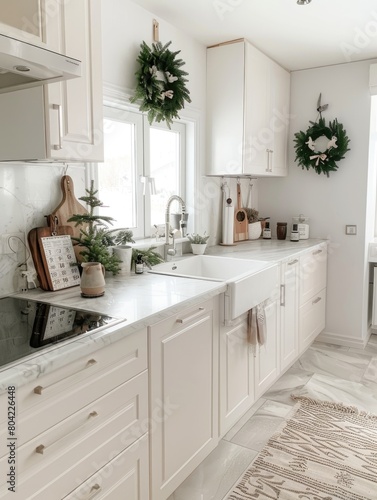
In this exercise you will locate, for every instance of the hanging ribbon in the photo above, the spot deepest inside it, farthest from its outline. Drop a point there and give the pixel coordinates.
(321, 157)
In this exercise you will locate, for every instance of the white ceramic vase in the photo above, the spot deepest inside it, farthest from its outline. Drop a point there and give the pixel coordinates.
(198, 248)
(255, 230)
(124, 253)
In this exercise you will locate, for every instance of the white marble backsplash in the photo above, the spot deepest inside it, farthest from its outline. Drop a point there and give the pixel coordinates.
(28, 192)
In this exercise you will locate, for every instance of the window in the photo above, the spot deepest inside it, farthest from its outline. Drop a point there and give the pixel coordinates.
(144, 165)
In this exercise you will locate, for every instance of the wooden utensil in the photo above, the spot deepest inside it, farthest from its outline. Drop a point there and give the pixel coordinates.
(240, 219)
(39, 259)
(68, 207)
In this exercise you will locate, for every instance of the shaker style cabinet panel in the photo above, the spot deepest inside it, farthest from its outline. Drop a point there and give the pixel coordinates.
(312, 312)
(267, 360)
(247, 112)
(61, 121)
(236, 373)
(183, 396)
(289, 290)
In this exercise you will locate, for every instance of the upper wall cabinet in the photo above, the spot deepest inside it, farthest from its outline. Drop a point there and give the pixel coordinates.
(24, 19)
(247, 113)
(60, 121)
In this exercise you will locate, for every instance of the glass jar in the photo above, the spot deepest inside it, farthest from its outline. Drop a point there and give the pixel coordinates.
(281, 230)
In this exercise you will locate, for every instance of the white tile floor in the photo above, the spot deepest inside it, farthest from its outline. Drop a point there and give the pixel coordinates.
(324, 371)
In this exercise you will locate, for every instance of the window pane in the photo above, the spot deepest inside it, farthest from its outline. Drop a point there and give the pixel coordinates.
(116, 176)
(164, 168)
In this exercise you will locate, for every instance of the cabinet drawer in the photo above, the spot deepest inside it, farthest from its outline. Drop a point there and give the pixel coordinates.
(52, 464)
(126, 477)
(63, 392)
(313, 272)
(312, 319)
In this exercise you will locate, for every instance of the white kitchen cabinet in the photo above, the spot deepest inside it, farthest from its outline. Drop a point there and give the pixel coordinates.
(183, 396)
(289, 306)
(24, 19)
(312, 311)
(267, 358)
(61, 121)
(247, 111)
(73, 421)
(236, 373)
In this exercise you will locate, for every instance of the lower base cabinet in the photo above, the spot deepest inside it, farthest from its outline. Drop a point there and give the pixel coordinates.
(183, 396)
(312, 319)
(267, 359)
(236, 373)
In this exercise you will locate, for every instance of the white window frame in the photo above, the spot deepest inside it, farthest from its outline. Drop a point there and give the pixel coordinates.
(120, 102)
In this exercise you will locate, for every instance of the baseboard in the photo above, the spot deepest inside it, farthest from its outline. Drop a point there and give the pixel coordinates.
(334, 338)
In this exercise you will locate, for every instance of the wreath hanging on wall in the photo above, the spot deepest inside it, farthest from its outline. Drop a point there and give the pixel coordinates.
(309, 155)
(161, 83)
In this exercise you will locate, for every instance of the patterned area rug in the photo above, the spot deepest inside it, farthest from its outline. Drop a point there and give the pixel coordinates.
(325, 451)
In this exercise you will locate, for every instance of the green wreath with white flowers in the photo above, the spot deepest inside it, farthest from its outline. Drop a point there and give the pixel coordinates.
(307, 154)
(161, 83)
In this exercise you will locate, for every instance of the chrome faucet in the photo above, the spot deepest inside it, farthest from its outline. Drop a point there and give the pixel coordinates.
(170, 250)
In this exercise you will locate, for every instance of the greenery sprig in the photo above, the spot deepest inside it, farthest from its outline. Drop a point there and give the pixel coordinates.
(322, 161)
(161, 83)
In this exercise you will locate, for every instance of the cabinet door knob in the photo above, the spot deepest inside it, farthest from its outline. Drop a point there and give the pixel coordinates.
(315, 301)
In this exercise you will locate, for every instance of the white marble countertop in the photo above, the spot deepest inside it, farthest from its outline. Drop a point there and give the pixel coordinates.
(137, 301)
(265, 250)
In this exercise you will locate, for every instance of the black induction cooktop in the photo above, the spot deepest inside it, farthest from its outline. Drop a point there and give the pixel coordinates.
(28, 326)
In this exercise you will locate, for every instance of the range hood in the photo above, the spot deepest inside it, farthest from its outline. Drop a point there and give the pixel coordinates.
(24, 65)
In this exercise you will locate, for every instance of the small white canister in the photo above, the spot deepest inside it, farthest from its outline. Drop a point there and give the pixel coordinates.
(303, 226)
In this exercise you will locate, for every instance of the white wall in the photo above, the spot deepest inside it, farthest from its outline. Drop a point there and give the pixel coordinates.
(333, 202)
(131, 25)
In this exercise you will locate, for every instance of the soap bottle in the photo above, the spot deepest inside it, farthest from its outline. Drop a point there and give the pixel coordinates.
(139, 264)
(295, 235)
(267, 231)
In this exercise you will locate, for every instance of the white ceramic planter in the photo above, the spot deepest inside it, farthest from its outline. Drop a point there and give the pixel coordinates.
(255, 230)
(124, 253)
(198, 248)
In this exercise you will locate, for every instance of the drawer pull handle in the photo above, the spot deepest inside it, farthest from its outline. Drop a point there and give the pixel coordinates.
(191, 316)
(292, 262)
(39, 449)
(317, 252)
(94, 490)
(316, 300)
(58, 108)
(39, 389)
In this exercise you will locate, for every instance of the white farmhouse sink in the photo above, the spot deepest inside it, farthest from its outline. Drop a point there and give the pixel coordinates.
(249, 281)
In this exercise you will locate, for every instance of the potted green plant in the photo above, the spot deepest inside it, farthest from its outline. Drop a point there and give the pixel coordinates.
(255, 226)
(198, 242)
(97, 238)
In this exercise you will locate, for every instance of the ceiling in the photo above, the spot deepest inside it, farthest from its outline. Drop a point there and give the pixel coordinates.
(321, 33)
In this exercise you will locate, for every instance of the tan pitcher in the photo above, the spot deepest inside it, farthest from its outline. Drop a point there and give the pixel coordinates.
(92, 279)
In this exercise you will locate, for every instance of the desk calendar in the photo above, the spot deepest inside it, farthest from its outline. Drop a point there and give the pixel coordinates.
(60, 261)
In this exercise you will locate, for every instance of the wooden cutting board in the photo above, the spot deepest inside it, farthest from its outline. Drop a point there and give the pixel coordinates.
(241, 226)
(68, 207)
(39, 259)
